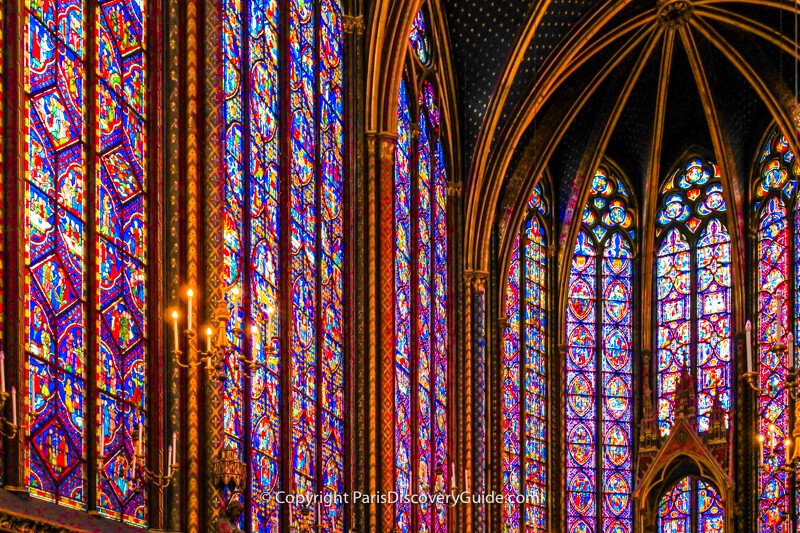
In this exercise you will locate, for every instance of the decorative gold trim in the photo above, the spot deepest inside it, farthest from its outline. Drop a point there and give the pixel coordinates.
(454, 189)
(353, 25)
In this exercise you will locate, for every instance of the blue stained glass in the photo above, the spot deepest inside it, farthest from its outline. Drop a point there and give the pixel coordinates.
(599, 366)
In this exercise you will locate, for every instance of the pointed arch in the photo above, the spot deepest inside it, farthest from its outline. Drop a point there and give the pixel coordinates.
(524, 372)
(776, 219)
(693, 286)
(599, 360)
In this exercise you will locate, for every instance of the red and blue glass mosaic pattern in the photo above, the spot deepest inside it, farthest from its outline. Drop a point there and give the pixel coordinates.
(693, 259)
(777, 243)
(314, 356)
(419, 37)
(691, 506)
(55, 251)
(421, 313)
(402, 308)
(264, 180)
(121, 191)
(599, 366)
(332, 265)
(524, 375)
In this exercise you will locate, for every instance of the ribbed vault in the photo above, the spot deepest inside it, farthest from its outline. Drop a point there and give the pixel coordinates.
(636, 82)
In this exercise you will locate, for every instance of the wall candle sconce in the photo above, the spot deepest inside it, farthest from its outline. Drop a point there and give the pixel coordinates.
(9, 428)
(218, 348)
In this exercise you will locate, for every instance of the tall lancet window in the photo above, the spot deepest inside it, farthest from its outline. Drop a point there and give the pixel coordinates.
(421, 310)
(693, 291)
(87, 252)
(777, 220)
(598, 363)
(283, 231)
(524, 374)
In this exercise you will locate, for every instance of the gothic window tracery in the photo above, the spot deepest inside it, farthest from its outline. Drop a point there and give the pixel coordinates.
(777, 220)
(421, 308)
(693, 291)
(599, 388)
(524, 373)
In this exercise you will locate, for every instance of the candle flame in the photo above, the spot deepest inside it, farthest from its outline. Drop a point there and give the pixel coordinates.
(174, 315)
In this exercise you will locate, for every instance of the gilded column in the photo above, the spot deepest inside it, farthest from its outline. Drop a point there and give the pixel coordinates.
(476, 463)
(213, 422)
(357, 221)
(192, 438)
(380, 386)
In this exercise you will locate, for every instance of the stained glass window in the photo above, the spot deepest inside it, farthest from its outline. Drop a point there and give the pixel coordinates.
(691, 506)
(256, 223)
(63, 251)
(778, 231)
(524, 452)
(599, 369)
(693, 291)
(421, 313)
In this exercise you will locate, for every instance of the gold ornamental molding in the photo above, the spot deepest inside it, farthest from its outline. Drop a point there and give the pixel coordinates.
(353, 25)
(454, 189)
(674, 13)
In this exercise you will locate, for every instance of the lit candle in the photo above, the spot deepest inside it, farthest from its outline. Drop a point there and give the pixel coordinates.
(208, 340)
(190, 295)
(174, 448)
(254, 335)
(787, 445)
(761, 450)
(175, 327)
(102, 442)
(2, 371)
(270, 325)
(235, 299)
(14, 405)
(169, 457)
(452, 478)
(748, 341)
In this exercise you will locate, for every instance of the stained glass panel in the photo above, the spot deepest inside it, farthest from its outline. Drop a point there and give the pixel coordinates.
(691, 506)
(264, 257)
(535, 380)
(332, 243)
(402, 307)
(121, 191)
(55, 234)
(775, 189)
(313, 224)
(419, 37)
(511, 393)
(693, 261)
(581, 374)
(599, 366)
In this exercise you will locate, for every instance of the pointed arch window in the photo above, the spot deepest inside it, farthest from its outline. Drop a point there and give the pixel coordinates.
(87, 233)
(524, 374)
(283, 252)
(777, 220)
(693, 291)
(599, 320)
(691, 506)
(421, 310)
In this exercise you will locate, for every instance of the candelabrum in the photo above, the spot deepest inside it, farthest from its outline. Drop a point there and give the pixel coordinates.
(9, 428)
(217, 345)
(139, 474)
(770, 441)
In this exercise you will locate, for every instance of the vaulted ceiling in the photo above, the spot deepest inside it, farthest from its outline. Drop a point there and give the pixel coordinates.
(540, 82)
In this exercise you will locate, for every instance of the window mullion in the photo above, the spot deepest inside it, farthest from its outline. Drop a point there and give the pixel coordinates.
(93, 317)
